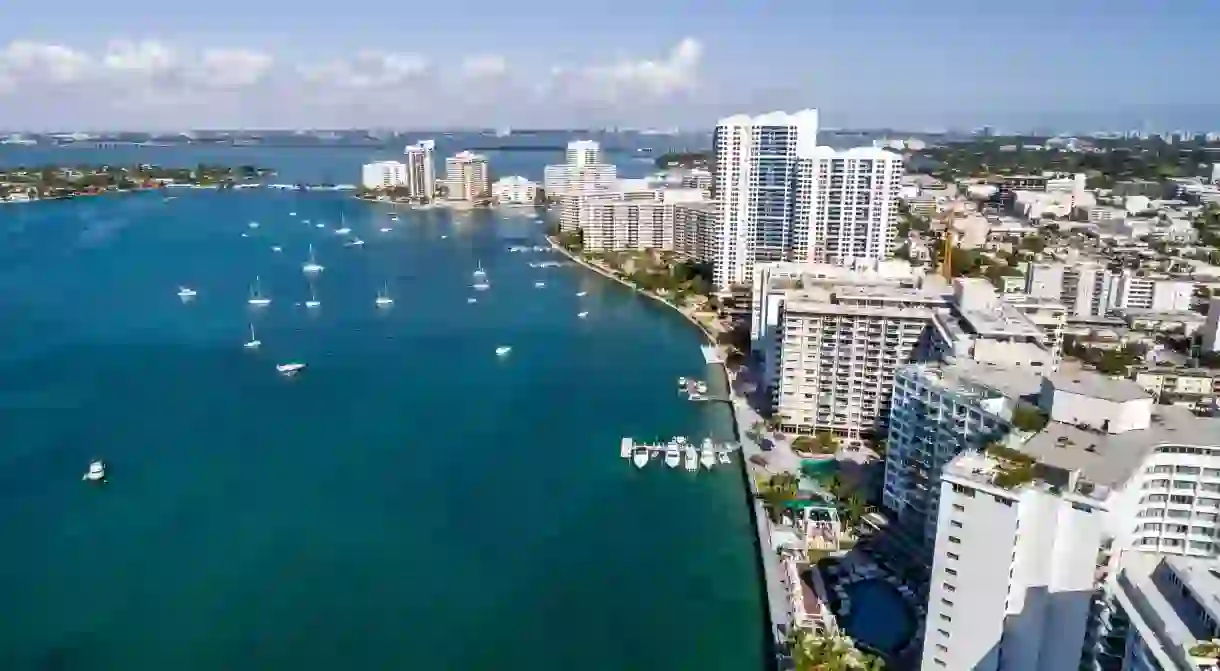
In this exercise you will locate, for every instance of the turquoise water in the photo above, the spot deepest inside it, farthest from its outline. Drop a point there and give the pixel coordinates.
(410, 501)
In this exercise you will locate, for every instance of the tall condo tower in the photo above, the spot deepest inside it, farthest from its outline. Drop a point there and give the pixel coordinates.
(756, 184)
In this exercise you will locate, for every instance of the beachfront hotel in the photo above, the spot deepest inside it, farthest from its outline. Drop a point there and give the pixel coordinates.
(583, 171)
(421, 169)
(467, 177)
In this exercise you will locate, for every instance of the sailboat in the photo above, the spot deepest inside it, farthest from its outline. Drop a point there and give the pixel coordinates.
(254, 342)
(257, 298)
(383, 297)
(312, 266)
(343, 229)
(313, 301)
(478, 271)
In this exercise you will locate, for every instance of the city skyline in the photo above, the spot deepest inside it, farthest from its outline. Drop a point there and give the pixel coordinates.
(881, 64)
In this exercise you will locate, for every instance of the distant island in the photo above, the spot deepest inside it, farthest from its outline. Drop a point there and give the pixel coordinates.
(685, 159)
(62, 181)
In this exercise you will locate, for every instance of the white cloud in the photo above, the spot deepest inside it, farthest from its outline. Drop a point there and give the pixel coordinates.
(677, 72)
(52, 63)
(369, 70)
(233, 68)
(141, 60)
(485, 67)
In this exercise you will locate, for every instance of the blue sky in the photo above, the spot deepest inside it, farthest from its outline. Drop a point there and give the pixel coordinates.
(908, 63)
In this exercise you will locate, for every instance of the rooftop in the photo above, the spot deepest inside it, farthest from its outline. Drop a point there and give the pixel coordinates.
(1157, 611)
(1098, 386)
(969, 377)
(1109, 460)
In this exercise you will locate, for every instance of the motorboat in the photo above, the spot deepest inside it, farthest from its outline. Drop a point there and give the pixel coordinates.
(319, 225)
(707, 454)
(245, 235)
(312, 266)
(472, 299)
(355, 242)
(292, 214)
(673, 456)
(253, 224)
(186, 292)
(723, 456)
(692, 457)
(625, 448)
(253, 342)
(385, 229)
(539, 285)
(277, 249)
(257, 298)
(393, 217)
(288, 369)
(701, 387)
(481, 285)
(444, 237)
(383, 297)
(343, 231)
(503, 350)
(640, 457)
(96, 472)
(581, 294)
(582, 315)
(682, 382)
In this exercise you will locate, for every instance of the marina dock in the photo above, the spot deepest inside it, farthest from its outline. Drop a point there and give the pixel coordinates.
(711, 355)
(629, 448)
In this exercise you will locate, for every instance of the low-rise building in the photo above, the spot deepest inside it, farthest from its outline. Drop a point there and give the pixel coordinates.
(514, 190)
(1170, 609)
(383, 175)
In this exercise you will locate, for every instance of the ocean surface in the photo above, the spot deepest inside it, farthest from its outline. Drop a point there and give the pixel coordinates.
(410, 501)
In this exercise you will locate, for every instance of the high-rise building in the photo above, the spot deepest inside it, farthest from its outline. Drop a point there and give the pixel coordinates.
(384, 175)
(1085, 288)
(1169, 613)
(1013, 574)
(583, 172)
(755, 183)
(1136, 292)
(696, 230)
(467, 177)
(635, 214)
(583, 152)
(421, 169)
(847, 205)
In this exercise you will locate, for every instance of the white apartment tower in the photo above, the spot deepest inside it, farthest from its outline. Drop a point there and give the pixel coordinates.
(583, 152)
(1013, 574)
(756, 183)
(467, 176)
(582, 172)
(1085, 288)
(847, 205)
(383, 175)
(421, 169)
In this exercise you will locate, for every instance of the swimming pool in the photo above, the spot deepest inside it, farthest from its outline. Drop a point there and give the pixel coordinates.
(880, 618)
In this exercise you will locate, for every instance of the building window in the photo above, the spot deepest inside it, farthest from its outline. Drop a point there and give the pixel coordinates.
(955, 524)
(950, 571)
(954, 539)
(939, 661)
(960, 509)
(942, 632)
(948, 587)
(946, 602)
(953, 556)
(941, 648)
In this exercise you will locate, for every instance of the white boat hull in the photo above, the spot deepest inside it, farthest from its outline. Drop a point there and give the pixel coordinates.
(672, 459)
(259, 302)
(640, 459)
(692, 459)
(253, 344)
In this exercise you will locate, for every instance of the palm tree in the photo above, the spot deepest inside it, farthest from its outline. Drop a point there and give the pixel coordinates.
(812, 652)
(853, 509)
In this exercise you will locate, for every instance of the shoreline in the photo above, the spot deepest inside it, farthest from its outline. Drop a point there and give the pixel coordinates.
(764, 564)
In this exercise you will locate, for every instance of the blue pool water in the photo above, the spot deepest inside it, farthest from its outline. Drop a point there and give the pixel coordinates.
(880, 618)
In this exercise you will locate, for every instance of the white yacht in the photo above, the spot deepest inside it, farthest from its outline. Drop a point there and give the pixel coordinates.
(539, 285)
(682, 382)
(385, 229)
(292, 214)
(481, 285)
(472, 299)
(256, 294)
(444, 237)
(313, 301)
(723, 456)
(312, 266)
(319, 225)
(673, 456)
(393, 217)
(277, 249)
(478, 271)
(692, 457)
(640, 457)
(580, 294)
(356, 242)
(186, 292)
(253, 342)
(96, 472)
(245, 235)
(383, 297)
(707, 454)
(582, 315)
(503, 350)
(253, 224)
(289, 369)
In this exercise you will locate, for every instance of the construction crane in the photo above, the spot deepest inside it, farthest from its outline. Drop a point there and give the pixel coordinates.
(946, 255)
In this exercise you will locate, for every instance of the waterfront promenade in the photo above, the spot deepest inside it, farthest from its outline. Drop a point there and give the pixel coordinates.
(779, 457)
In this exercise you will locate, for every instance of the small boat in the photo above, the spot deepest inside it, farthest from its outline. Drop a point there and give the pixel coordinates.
(383, 297)
(256, 295)
(539, 285)
(313, 301)
(244, 235)
(701, 387)
(288, 369)
(692, 457)
(480, 286)
(292, 214)
(682, 382)
(386, 230)
(304, 221)
(277, 248)
(253, 224)
(393, 217)
(503, 350)
(355, 242)
(444, 237)
(723, 456)
(640, 457)
(673, 456)
(319, 225)
(96, 472)
(343, 231)
(624, 448)
(581, 293)
(582, 315)
(478, 271)
(707, 454)
(186, 292)
(472, 299)
(312, 266)
(254, 342)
